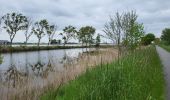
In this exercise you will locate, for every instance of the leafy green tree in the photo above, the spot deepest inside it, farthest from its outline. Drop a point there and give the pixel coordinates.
(69, 32)
(148, 38)
(133, 31)
(51, 31)
(85, 35)
(135, 35)
(98, 40)
(13, 22)
(39, 29)
(157, 40)
(166, 36)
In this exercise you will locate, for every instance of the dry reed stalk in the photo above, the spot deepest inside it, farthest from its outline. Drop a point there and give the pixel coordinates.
(27, 91)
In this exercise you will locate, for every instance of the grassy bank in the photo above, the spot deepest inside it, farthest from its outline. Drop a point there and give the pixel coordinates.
(138, 77)
(166, 47)
(6, 49)
(0, 59)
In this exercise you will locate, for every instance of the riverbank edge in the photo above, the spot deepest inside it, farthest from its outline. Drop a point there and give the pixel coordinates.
(8, 49)
(139, 85)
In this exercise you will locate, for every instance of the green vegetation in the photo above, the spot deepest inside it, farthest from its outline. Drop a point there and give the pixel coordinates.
(39, 29)
(166, 36)
(34, 48)
(0, 59)
(68, 33)
(14, 22)
(138, 76)
(148, 38)
(51, 31)
(85, 35)
(6, 49)
(98, 40)
(166, 47)
(165, 39)
(124, 31)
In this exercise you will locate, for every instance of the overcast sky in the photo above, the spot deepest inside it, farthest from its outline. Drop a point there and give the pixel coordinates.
(155, 14)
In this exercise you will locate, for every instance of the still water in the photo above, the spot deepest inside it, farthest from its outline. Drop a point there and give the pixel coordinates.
(36, 64)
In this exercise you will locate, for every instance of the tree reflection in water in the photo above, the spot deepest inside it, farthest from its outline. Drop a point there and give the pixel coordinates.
(67, 59)
(13, 76)
(34, 69)
(42, 69)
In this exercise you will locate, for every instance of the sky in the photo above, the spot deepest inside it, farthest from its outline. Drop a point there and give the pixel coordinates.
(154, 14)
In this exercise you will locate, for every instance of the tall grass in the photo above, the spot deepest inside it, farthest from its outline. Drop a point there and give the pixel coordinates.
(138, 76)
(29, 88)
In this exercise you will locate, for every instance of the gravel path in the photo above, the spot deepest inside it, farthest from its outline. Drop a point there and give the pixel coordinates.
(165, 58)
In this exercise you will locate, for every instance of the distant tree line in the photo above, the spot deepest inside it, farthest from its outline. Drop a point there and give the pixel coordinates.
(15, 22)
(165, 37)
(148, 39)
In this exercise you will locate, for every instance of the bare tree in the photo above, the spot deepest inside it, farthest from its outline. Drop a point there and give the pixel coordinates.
(13, 23)
(124, 30)
(39, 29)
(113, 30)
(51, 31)
(28, 33)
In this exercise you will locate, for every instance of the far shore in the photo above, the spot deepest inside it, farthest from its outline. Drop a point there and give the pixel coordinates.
(9, 49)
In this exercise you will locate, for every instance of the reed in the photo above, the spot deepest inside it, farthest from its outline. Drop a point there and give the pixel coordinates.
(137, 76)
(27, 88)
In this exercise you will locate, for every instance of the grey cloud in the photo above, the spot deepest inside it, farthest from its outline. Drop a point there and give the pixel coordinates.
(155, 14)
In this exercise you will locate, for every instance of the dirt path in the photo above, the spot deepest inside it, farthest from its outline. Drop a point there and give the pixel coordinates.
(165, 58)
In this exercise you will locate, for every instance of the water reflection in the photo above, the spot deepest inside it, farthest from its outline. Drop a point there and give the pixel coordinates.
(41, 69)
(18, 67)
(67, 59)
(13, 76)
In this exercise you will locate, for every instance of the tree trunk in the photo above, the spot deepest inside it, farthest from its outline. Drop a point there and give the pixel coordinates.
(86, 46)
(38, 42)
(65, 43)
(49, 41)
(11, 42)
(26, 42)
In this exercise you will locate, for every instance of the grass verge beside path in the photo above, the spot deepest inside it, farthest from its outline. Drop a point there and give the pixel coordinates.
(138, 77)
(166, 47)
